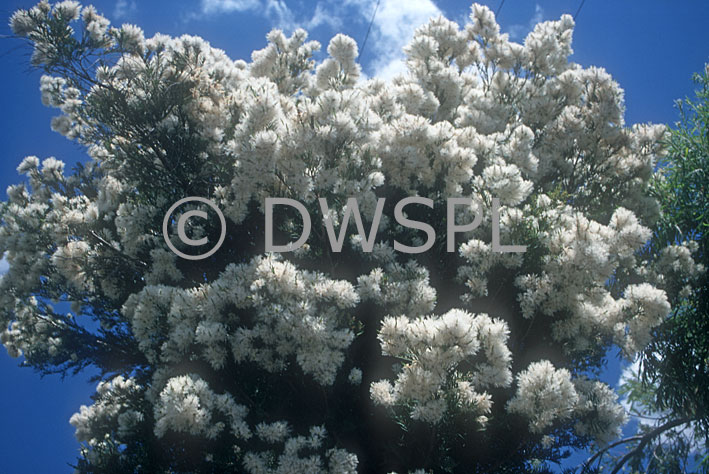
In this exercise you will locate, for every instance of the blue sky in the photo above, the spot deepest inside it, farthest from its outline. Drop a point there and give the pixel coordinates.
(650, 47)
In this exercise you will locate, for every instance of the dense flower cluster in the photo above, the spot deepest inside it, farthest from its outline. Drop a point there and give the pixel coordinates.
(293, 313)
(435, 346)
(217, 350)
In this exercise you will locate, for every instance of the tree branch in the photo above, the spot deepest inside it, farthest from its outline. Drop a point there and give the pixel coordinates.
(644, 439)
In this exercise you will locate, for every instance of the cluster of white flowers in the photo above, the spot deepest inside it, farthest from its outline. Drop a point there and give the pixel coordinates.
(292, 458)
(572, 286)
(600, 415)
(476, 116)
(68, 260)
(187, 404)
(114, 408)
(544, 394)
(676, 270)
(482, 259)
(434, 346)
(548, 396)
(401, 289)
(287, 312)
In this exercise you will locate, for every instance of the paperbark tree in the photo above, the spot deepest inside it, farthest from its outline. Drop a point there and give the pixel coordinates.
(310, 361)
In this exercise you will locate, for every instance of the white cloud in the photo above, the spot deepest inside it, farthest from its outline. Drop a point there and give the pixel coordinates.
(518, 32)
(323, 16)
(393, 28)
(228, 6)
(279, 11)
(276, 11)
(538, 15)
(124, 9)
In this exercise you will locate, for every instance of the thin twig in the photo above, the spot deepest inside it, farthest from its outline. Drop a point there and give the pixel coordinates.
(644, 439)
(369, 28)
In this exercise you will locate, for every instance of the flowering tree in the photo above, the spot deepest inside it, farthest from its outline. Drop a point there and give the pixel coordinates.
(317, 360)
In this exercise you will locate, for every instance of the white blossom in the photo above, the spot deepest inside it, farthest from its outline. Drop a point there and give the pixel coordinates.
(476, 116)
(544, 395)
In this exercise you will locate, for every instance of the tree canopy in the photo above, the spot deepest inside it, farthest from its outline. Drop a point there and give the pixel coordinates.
(316, 360)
